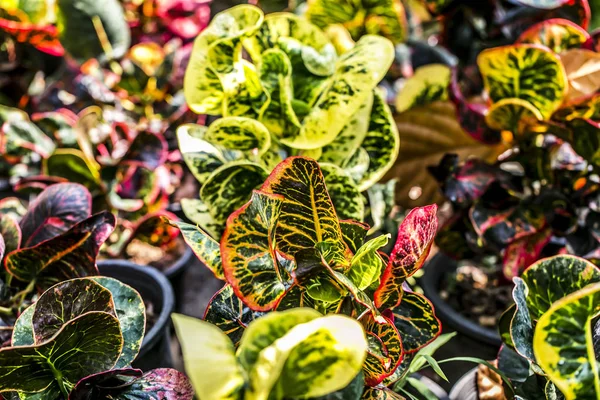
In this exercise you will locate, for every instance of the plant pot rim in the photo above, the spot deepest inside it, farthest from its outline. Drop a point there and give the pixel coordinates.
(154, 334)
(465, 381)
(435, 269)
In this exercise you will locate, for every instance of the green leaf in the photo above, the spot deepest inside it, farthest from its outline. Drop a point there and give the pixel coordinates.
(22, 138)
(70, 255)
(428, 84)
(416, 321)
(524, 71)
(564, 347)
(23, 330)
(311, 359)
(239, 133)
(227, 311)
(89, 344)
(73, 165)
(307, 215)
(78, 26)
(131, 313)
(357, 73)
(351, 392)
(196, 211)
(209, 359)
(248, 252)
(557, 34)
(216, 60)
(521, 326)
(205, 248)
(366, 265)
(354, 234)
(385, 350)
(344, 194)
(230, 186)
(10, 232)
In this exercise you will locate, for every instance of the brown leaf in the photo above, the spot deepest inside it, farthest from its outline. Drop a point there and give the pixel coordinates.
(426, 134)
(489, 384)
(583, 72)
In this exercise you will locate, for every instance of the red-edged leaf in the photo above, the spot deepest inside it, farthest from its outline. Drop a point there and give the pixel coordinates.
(55, 211)
(415, 237)
(156, 230)
(148, 150)
(521, 253)
(385, 351)
(416, 322)
(42, 37)
(557, 34)
(70, 255)
(248, 252)
(10, 233)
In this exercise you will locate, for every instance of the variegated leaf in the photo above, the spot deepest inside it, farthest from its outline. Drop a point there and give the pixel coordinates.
(215, 63)
(345, 195)
(10, 232)
(564, 347)
(512, 115)
(354, 233)
(366, 265)
(528, 72)
(248, 252)
(385, 350)
(196, 211)
(521, 253)
(556, 34)
(307, 213)
(415, 237)
(416, 322)
(204, 247)
(428, 84)
(357, 73)
(230, 186)
(239, 133)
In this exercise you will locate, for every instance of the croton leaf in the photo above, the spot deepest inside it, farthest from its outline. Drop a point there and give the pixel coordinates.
(73, 165)
(521, 326)
(196, 211)
(248, 252)
(556, 34)
(523, 252)
(81, 23)
(204, 247)
(357, 72)
(384, 352)
(209, 358)
(512, 115)
(366, 265)
(42, 37)
(155, 230)
(345, 195)
(227, 311)
(23, 329)
(415, 237)
(54, 212)
(86, 345)
(354, 233)
(70, 255)
(381, 143)
(230, 186)
(215, 59)
(544, 4)
(568, 325)
(428, 84)
(312, 356)
(161, 383)
(583, 74)
(22, 138)
(239, 133)
(380, 393)
(582, 134)
(307, 215)
(528, 72)
(386, 18)
(416, 322)
(148, 150)
(10, 232)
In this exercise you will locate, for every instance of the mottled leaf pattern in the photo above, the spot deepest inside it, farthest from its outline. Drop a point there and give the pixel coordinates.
(384, 352)
(416, 322)
(239, 133)
(512, 115)
(556, 34)
(204, 247)
(10, 232)
(345, 195)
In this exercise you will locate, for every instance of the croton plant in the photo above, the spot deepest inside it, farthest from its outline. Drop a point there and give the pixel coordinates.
(539, 197)
(78, 341)
(287, 248)
(56, 238)
(294, 96)
(551, 331)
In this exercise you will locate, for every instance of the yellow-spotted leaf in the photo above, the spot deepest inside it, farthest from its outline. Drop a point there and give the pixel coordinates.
(529, 72)
(248, 252)
(564, 347)
(384, 352)
(357, 72)
(415, 237)
(239, 133)
(345, 195)
(428, 84)
(512, 115)
(230, 186)
(383, 17)
(556, 34)
(209, 359)
(307, 214)
(311, 359)
(382, 143)
(215, 67)
(204, 247)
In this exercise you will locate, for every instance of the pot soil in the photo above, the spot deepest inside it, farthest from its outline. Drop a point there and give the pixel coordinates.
(157, 293)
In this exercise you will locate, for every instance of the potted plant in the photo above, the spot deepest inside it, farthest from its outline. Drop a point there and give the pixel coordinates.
(78, 341)
(297, 97)
(549, 333)
(537, 198)
(286, 248)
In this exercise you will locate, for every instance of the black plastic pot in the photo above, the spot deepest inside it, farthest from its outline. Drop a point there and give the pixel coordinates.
(435, 270)
(156, 289)
(466, 387)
